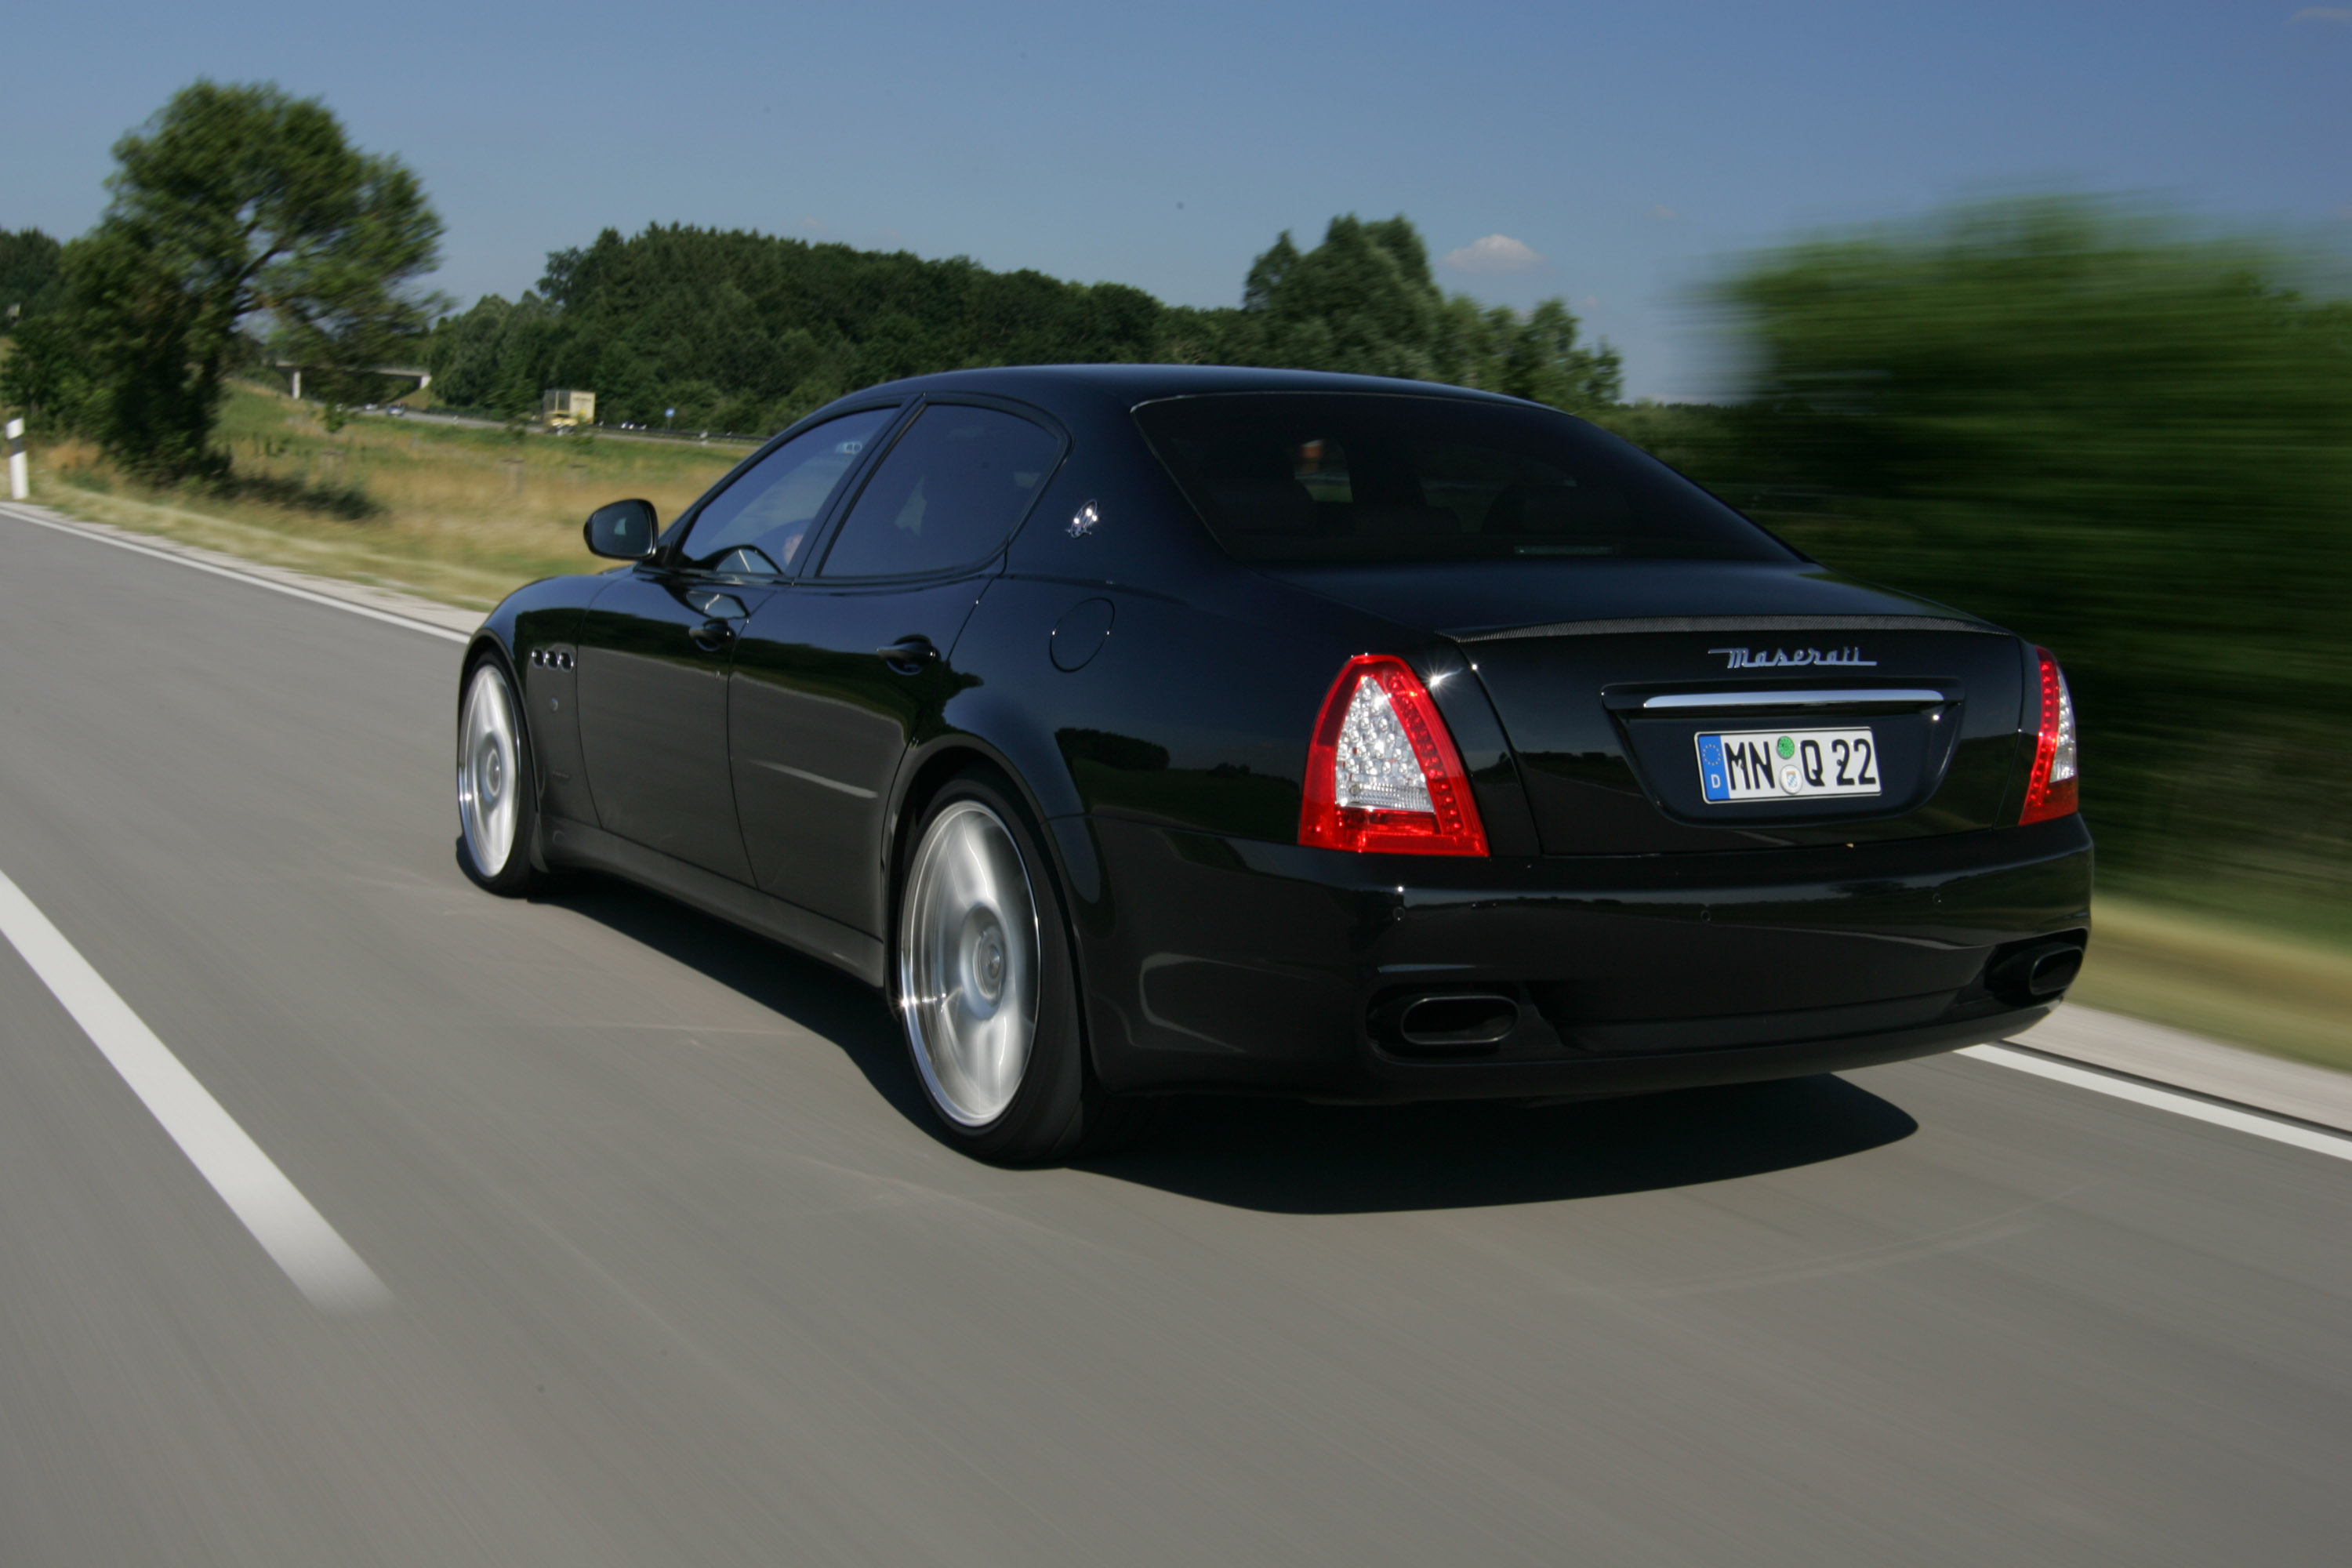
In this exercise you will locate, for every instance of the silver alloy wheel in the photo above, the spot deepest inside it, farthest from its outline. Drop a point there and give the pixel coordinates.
(968, 963)
(488, 769)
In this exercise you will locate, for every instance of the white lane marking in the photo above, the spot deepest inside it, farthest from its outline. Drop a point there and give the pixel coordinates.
(321, 1263)
(2261, 1126)
(386, 617)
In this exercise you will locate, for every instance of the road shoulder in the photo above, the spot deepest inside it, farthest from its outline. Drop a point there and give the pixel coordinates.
(367, 597)
(2191, 1062)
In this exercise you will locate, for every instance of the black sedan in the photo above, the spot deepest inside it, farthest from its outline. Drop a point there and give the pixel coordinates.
(1142, 729)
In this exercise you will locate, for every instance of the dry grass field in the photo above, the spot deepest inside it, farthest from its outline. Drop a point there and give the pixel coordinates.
(454, 513)
(2282, 992)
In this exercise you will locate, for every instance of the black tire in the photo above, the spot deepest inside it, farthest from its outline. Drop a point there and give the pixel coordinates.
(498, 791)
(1057, 1111)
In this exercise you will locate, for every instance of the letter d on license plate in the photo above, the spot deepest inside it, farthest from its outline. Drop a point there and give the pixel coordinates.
(1781, 764)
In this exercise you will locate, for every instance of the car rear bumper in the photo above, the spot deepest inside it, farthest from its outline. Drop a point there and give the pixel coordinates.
(1215, 962)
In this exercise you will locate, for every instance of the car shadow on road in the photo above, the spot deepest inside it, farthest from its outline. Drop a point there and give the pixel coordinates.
(1292, 1157)
(816, 996)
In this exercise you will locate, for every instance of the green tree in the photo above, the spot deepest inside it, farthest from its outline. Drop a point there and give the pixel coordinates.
(528, 335)
(464, 350)
(43, 376)
(29, 267)
(2121, 436)
(1364, 300)
(237, 203)
(1539, 358)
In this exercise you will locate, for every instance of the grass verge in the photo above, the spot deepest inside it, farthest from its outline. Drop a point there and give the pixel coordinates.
(2286, 994)
(452, 513)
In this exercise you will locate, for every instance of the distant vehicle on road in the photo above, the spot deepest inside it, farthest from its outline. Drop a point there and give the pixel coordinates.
(1145, 728)
(561, 410)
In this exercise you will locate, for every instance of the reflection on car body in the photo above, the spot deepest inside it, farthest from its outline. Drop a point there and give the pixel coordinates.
(1146, 728)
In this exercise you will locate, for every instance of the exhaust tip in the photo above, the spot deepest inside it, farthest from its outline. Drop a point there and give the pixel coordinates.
(2036, 972)
(2054, 972)
(1457, 1020)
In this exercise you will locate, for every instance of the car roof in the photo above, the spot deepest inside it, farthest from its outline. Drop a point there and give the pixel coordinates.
(1129, 384)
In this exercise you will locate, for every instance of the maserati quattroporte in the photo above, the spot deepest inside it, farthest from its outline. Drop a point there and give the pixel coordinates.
(1146, 728)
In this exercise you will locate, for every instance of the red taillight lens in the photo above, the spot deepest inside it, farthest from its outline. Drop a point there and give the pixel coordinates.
(2051, 791)
(1382, 775)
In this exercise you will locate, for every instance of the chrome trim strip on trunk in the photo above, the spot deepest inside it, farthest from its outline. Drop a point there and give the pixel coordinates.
(1906, 696)
(1733, 623)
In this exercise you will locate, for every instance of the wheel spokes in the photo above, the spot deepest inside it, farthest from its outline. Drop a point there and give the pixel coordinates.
(487, 771)
(968, 962)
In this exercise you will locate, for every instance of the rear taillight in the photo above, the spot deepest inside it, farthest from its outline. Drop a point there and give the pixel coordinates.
(1382, 775)
(2051, 792)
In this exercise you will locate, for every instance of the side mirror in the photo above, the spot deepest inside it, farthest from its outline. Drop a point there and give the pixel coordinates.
(624, 529)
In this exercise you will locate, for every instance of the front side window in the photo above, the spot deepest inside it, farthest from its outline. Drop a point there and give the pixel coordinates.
(948, 494)
(756, 526)
(1376, 477)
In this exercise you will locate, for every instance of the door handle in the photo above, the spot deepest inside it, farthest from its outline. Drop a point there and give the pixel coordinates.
(712, 634)
(907, 655)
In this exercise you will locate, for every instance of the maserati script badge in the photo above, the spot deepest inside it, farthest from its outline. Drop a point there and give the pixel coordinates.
(1755, 658)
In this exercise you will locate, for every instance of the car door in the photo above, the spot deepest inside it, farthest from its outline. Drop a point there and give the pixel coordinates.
(657, 645)
(653, 656)
(836, 678)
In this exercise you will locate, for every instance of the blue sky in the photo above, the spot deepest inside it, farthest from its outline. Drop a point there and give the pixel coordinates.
(1622, 152)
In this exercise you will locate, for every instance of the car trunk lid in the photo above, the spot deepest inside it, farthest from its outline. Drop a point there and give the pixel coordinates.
(1616, 681)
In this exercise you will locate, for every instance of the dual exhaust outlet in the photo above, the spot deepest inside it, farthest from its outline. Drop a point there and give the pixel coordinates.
(1445, 1023)
(2035, 971)
(1470, 1022)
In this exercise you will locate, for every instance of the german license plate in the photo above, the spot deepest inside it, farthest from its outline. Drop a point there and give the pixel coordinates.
(1781, 764)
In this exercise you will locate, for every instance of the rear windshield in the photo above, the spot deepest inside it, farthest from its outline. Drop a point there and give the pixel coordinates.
(1371, 477)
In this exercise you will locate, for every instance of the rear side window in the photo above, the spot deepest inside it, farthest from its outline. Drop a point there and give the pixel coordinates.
(756, 525)
(947, 495)
(1368, 476)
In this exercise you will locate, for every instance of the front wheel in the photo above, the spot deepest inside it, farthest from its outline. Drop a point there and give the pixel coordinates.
(984, 986)
(496, 809)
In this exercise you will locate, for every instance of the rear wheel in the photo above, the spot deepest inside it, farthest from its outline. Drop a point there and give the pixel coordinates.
(497, 811)
(984, 986)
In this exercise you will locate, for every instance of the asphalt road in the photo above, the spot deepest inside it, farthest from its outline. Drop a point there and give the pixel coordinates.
(676, 1275)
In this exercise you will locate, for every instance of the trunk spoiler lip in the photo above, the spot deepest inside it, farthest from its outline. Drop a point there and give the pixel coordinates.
(1637, 624)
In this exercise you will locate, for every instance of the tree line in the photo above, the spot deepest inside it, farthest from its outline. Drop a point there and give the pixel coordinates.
(749, 332)
(244, 229)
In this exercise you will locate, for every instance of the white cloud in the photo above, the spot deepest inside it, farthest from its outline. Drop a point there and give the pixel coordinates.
(2323, 14)
(1496, 253)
